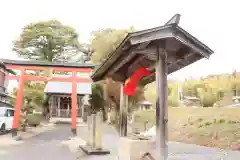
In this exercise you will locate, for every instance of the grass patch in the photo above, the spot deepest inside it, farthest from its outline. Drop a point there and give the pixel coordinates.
(214, 127)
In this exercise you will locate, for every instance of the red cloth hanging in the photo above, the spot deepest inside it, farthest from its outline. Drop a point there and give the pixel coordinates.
(131, 85)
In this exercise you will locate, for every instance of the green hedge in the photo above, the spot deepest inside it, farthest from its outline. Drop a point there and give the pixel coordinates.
(173, 101)
(208, 100)
(34, 119)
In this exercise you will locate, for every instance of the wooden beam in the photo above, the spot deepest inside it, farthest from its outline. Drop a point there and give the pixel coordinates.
(49, 79)
(122, 62)
(85, 70)
(131, 54)
(187, 61)
(143, 45)
(137, 61)
(146, 51)
(171, 68)
(162, 32)
(116, 77)
(190, 43)
(17, 67)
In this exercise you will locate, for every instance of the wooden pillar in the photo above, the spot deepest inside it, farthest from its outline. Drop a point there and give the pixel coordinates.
(123, 112)
(107, 105)
(51, 106)
(58, 106)
(90, 130)
(161, 104)
(68, 109)
(98, 135)
(81, 107)
(19, 102)
(74, 103)
(94, 130)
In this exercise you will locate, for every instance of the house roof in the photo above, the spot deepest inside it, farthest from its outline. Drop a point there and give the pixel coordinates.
(145, 103)
(46, 64)
(2, 65)
(3, 94)
(53, 87)
(140, 49)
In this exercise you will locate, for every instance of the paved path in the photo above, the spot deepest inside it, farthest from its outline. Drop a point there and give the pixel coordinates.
(49, 146)
(45, 146)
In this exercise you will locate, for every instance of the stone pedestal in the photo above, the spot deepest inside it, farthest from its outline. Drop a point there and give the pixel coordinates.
(133, 148)
(80, 128)
(94, 142)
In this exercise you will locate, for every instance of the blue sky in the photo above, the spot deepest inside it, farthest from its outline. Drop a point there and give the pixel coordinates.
(213, 22)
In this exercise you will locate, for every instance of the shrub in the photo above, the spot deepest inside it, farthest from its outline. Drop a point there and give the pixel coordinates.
(207, 123)
(221, 121)
(208, 99)
(232, 122)
(34, 119)
(97, 100)
(173, 101)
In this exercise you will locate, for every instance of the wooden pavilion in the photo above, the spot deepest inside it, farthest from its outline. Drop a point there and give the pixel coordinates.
(162, 50)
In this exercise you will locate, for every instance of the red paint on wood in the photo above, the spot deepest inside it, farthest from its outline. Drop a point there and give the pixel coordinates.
(74, 79)
(17, 67)
(19, 101)
(10, 77)
(56, 79)
(74, 101)
(84, 70)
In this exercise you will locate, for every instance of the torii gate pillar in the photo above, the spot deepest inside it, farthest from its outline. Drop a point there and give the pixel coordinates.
(19, 102)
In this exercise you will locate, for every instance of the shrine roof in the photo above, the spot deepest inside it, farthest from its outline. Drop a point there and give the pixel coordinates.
(139, 49)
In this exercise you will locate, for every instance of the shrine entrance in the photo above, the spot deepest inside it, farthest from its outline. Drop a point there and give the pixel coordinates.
(78, 73)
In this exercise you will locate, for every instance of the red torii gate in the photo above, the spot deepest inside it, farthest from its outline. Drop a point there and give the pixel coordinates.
(23, 66)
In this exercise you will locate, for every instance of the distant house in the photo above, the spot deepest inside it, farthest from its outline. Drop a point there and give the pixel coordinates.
(191, 101)
(4, 96)
(60, 100)
(236, 99)
(144, 105)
